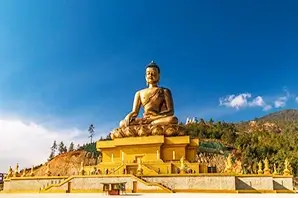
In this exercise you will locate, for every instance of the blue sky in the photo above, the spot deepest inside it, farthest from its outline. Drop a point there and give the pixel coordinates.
(70, 63)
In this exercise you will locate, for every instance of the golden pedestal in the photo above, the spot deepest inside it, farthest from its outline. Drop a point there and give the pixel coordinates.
(158, 154)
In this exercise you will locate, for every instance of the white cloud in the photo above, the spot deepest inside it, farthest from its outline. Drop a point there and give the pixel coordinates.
(242, 100)
(296, 99)
(267, 107)
(259, 102)
(235, 101)
(280, 102)
(29, 143)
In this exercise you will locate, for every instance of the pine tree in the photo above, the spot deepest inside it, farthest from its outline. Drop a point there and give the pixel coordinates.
(65, 149)
(91, 132)
(54, 148)
(71, 147)
(61, 148)
(52, 155)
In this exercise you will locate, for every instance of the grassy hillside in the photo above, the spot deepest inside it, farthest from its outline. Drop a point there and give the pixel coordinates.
(285, 116)
(274, 136)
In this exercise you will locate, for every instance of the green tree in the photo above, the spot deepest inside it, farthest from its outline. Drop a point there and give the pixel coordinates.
(53, 150)
(91, 132)
(71, 147)
(61, 147)
(52, 155)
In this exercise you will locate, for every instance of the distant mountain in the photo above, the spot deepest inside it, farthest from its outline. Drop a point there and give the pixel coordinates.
(288, 115)
(280, 121)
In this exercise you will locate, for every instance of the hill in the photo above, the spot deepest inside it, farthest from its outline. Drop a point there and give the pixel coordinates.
(281, 121)
(285, 116)
(70, 161)
(274, 136)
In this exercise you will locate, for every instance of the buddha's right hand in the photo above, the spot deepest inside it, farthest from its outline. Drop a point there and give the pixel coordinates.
(129, 118)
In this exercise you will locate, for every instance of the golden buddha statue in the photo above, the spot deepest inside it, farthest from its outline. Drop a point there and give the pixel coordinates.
(158, 117)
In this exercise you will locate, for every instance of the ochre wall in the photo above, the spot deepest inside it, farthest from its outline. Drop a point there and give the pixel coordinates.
(167, 152)
(148, 153)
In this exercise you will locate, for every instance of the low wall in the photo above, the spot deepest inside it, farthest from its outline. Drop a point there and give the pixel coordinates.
(154, 183)
(282, 183)
(262, 183)
(195, 182)
(77, 184)
(95, 184)
(29, 184)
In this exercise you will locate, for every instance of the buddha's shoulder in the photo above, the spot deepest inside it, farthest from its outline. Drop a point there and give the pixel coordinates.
(149, 89)
(165, 89)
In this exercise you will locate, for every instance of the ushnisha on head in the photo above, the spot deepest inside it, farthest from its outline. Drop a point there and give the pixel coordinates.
(152, 74)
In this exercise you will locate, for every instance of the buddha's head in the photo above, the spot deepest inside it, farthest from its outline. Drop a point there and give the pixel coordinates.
(152, 73)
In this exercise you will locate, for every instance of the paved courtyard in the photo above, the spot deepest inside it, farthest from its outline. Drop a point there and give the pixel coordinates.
(197, 195)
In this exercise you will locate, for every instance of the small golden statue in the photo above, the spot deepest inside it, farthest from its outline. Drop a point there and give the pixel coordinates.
(287, 166)
(16, 172)
(182, 165)
(238, 168)
(158, 117)
(266, 168)
(275, 169)
(82, 171)
(9, 173)
(139, 169)
(228, 163)
(48, 172)
(24, 173)
(260, 165)
(32, 171)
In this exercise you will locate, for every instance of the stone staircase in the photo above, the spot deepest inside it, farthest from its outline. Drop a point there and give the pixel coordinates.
(150, 170)
(50, 185)
(118, 168)
(166, 188)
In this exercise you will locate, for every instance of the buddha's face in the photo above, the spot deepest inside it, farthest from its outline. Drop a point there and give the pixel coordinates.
(152, 75)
